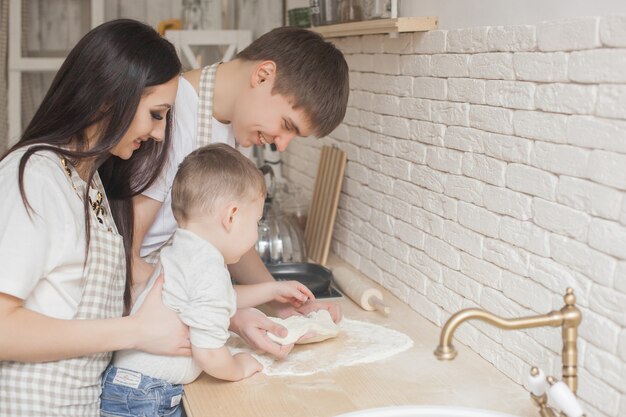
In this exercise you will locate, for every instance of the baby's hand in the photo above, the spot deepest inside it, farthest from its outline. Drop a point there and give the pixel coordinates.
(249, 365)
(292, 292)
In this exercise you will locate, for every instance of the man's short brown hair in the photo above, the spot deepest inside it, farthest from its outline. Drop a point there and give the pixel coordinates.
(214, 173)
(309, 70)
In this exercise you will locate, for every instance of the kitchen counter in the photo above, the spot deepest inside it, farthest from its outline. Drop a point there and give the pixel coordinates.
(412, 377)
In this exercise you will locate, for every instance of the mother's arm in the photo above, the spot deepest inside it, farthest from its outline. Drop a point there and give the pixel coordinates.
(28, 336)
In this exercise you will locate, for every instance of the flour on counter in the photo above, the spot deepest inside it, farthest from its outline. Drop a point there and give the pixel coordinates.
(358, 342)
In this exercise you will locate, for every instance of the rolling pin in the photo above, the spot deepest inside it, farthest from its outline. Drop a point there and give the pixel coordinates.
(359, 290)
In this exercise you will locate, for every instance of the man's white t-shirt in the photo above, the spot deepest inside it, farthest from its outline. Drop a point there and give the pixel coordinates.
(199, 289)
(184, 134)
(41, 255)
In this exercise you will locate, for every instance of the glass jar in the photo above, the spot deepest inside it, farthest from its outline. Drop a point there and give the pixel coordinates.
(350, 11)
(324, 12)
(192, 16)
(376, 9)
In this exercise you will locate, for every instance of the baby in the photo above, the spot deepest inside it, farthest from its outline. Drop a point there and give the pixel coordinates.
(217, 199)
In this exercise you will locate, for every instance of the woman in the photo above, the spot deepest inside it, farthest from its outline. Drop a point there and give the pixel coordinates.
(64, 242)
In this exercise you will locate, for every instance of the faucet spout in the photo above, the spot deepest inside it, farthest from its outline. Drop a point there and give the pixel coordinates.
(447, 351)
(569, 317)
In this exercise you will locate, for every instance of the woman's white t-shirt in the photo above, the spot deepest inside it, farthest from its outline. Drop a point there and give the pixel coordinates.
(42, 254)
(184, 134)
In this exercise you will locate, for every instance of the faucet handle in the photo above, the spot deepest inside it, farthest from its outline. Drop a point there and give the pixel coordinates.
(562, 397)
(537, 382)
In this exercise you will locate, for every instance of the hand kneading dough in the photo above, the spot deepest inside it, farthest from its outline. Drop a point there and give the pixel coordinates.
(318, 322)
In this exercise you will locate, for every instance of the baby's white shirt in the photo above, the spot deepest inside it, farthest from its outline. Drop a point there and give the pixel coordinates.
(197, 285)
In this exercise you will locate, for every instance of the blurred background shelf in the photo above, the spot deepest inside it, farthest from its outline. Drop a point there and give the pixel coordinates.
(371, 27)
(229, 42)
(44, 62)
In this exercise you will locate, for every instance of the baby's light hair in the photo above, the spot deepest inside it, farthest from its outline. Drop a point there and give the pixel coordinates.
(214, 173)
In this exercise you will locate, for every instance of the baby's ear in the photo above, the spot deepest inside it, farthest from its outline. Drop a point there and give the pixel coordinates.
(230, 216)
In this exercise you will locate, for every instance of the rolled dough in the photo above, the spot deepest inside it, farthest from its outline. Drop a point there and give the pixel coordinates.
(318, 322)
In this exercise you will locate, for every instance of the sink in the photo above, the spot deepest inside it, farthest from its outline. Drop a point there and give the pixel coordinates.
(425, 411)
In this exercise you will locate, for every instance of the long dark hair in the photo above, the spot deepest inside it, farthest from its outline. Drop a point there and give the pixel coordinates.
(101, 84)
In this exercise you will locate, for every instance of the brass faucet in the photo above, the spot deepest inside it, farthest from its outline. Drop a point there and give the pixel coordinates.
(568, 317)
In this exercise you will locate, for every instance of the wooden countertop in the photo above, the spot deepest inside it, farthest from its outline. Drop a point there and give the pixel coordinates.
(412, 377)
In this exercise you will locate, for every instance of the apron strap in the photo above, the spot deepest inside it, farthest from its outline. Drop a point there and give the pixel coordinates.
(205, 107)
(205, 127)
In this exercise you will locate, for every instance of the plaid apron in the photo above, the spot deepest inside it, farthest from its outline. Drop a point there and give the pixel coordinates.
(71, 387)
(205, 105)
(205, 127)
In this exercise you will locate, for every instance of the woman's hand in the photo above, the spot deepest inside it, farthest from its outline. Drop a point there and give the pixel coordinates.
(160, 330)
(252, 326)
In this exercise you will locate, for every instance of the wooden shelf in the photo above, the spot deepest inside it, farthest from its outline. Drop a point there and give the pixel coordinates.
(371, 27)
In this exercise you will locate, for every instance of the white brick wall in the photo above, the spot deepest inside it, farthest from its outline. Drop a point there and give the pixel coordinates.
(487, 167)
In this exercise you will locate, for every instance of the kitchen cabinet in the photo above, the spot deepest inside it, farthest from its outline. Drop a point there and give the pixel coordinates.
(414, 377)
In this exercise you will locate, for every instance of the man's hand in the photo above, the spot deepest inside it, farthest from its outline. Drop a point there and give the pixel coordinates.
(285, 310)
(252, 326)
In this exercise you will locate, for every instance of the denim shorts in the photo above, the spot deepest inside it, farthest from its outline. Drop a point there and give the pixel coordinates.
(127, 393)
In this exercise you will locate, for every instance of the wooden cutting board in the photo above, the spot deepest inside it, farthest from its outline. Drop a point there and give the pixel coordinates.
(321, 219)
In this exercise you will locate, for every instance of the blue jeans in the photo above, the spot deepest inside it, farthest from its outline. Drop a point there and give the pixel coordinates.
(128, 393)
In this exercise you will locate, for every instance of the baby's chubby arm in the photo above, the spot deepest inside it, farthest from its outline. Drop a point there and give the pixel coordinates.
(219, 363)
(292, 292)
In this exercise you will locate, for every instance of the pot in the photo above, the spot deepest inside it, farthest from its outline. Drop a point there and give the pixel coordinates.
(280, 238)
